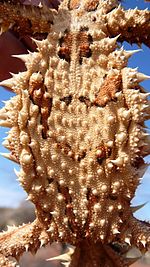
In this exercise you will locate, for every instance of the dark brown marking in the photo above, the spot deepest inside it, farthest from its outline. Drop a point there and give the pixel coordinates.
(66, 148)
(93, 19)
(100, 160)
(67, 196)
(113, 196)
(69, 208)
(58, 187)
(88, 194)
(81, 155)
(84, 29)
(37, 92)
(50, 180)
(71, 219)
(91, 201)
(138, 162)
(65, 43)
(67, 99)
(70, 225)
(119, 247)
(45, 113)
(83, 42)
(64, 53)
(108, 90)
(90, 39)
(104, 154)
(85, 100)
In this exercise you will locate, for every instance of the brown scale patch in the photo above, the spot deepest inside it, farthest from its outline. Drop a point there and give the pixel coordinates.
(73, 4)
(83, 40)
(37, 92)
(108, 90)
(84, 45)
(91, 5)
(65, 46)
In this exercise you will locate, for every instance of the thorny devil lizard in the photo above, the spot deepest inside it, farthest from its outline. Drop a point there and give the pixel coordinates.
(77, 130)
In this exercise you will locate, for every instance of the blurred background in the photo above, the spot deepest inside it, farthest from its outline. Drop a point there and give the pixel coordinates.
(14, 209)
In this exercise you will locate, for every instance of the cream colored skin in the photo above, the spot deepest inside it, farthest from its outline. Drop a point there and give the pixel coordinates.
(79, 199)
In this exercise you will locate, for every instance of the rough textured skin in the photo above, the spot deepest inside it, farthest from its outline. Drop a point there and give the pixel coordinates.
(24, 19)
(77, 131)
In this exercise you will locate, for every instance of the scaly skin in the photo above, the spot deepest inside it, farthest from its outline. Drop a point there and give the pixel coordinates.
(77, 130)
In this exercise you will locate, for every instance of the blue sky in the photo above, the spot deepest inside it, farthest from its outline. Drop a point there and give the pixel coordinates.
(11, 193)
